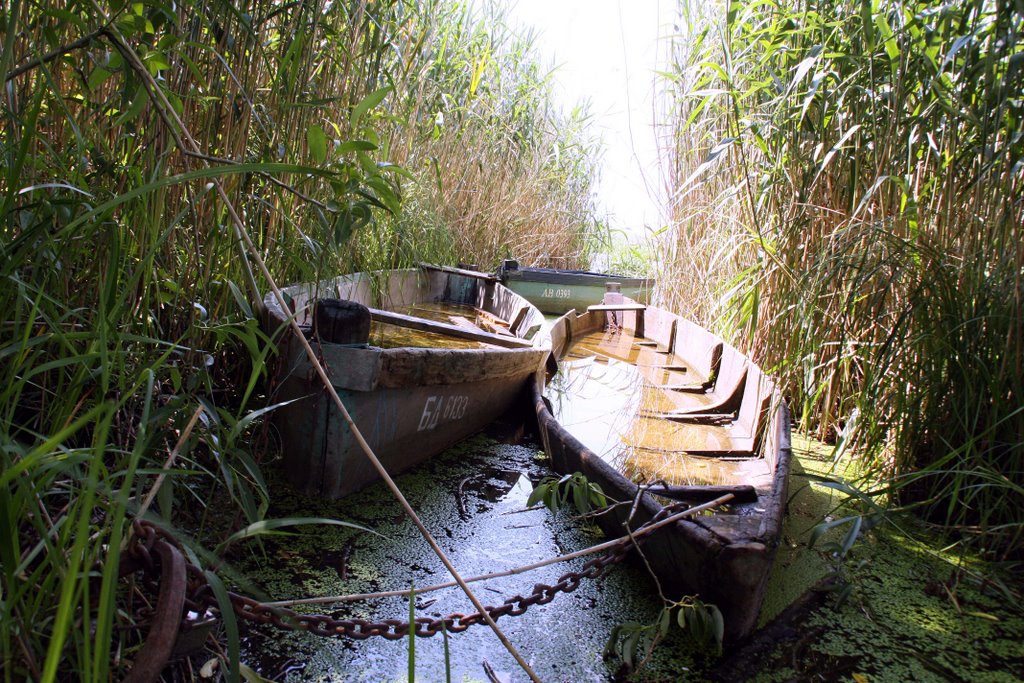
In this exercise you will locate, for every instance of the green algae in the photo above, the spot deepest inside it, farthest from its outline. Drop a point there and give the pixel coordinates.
(487, 531)
(898, 624)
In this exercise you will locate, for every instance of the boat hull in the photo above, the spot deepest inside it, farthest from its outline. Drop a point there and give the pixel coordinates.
(408, 403)
(724, 558)
(557, 291)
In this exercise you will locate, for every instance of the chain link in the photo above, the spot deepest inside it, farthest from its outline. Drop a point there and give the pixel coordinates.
(200, 598)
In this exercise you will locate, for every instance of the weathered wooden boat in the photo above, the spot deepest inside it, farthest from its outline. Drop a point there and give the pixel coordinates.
(421, 359)
(656, 409)
(556, 291)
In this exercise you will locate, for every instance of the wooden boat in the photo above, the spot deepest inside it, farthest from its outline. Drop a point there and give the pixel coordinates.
(421, 359)
(645, 396)
(557, 291)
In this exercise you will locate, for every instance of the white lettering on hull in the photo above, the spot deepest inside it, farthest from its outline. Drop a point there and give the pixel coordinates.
(437, 408)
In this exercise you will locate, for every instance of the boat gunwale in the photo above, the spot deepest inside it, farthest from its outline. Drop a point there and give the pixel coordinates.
(276, 316)
(575, 277)
(371, 367)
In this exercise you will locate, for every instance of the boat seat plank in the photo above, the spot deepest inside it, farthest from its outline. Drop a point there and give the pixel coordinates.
(598, 308)
(492, 323)
(489, 277)
(422, 325)
(518, 321)
(465, 323)
(491, 319)
(723, 395)
(742, 493)
(495, 328)
(691, 388)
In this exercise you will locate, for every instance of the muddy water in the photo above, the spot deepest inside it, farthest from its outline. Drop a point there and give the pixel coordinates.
(609, 393)
(472, 498)
(391, 336)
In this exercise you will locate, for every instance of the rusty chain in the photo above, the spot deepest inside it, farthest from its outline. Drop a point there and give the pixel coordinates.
(199, 599)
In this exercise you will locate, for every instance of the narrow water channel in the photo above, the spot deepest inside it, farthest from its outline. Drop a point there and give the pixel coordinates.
(472, 497)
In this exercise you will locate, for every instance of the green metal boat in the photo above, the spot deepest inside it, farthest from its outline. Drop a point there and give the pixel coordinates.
(556, 291)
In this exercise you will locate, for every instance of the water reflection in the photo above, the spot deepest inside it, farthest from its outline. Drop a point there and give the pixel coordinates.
(609, 391)
(388, 336)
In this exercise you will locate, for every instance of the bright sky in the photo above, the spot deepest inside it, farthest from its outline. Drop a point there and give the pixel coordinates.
(607, 52)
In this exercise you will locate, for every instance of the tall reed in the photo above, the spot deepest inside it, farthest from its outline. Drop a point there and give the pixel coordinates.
(130, 342)
(501, 171)
(846, 183)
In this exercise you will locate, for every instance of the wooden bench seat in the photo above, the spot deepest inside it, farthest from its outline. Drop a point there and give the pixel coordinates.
(710, 433)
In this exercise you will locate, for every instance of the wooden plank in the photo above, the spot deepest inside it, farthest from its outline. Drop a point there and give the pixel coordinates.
(742, 493)
(617, 307)
(422, 325)
(494, 324)
(703, 417)
(489, 277)
(519, 319)
(491, 318)
(465, 323)
(685, 388)
(495, 328)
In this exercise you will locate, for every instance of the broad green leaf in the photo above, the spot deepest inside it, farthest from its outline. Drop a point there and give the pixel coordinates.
(240, 299)
(251, 676)
(888, 40)
(267, 525)
(316, 139)
(227, 614)
(368, 103)
(867, 24)
(98, 77)
(356, 146)
(242, 424)
(138, 104)
(156, 62)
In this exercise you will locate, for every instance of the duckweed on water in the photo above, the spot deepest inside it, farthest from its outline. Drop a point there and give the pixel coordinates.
(899, 623)
(472, 498)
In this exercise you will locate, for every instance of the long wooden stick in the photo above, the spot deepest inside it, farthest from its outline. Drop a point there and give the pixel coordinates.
(243, 234)
(489, 277)
(639, 533)
(170, 461)
(414, 323)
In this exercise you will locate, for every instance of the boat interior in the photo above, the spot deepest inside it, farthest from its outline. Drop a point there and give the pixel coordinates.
(422, 306)
(665, 400)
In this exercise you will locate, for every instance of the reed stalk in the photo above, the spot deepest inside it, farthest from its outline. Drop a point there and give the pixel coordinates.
(131, 337)
(846, 192)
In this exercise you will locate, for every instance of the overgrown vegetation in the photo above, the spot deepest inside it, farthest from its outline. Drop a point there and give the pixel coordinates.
(344, 135)
(848, 203)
